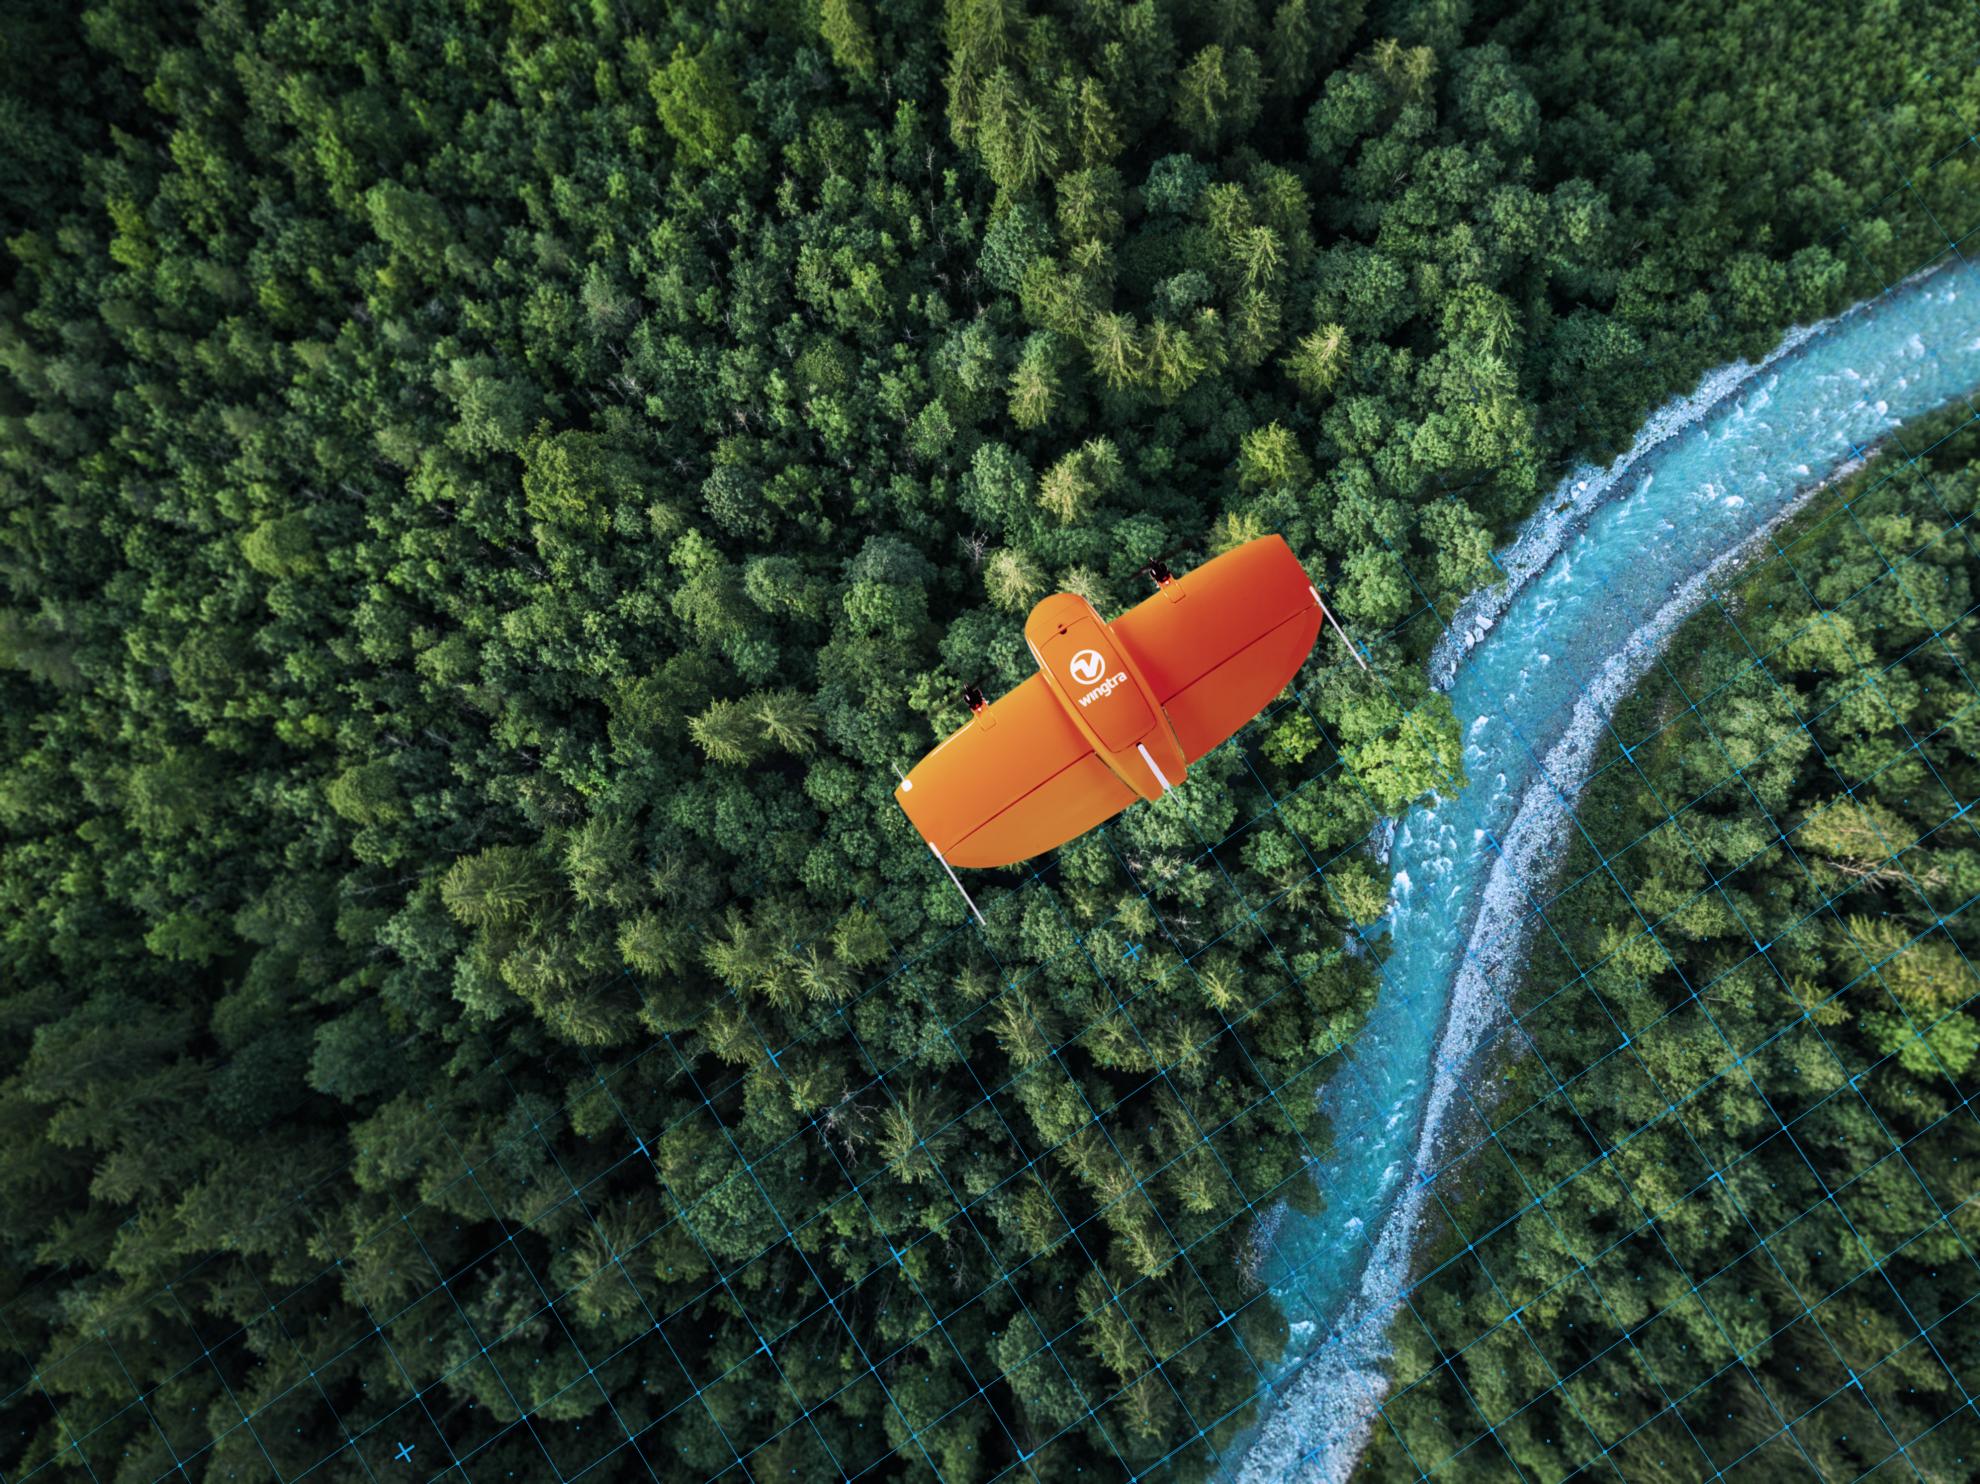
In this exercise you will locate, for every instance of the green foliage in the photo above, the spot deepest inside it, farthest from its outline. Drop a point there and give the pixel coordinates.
(696, 97)
(1012, 579)
(281, 547)
(366, 794)
(1218, 95)
(848, 34)
(1270, 456)
(1319, 361)
(580, 480)
(496, 886)
(1089, 473)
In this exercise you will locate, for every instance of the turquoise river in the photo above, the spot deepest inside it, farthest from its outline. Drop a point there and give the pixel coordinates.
(1594, 584)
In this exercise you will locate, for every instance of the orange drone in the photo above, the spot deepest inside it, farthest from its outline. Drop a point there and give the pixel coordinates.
(1117, 711)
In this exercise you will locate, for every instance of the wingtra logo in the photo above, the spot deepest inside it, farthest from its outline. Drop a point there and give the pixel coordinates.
(1088, 666)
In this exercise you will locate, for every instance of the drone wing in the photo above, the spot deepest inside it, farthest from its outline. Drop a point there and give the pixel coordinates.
(1220, 641)
(1014, 782)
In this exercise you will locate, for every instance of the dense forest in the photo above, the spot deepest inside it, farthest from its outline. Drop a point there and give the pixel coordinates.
(1726, 1218)
(492, 495)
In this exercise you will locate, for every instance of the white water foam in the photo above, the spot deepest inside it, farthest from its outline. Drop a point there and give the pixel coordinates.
(1384, 837)
(1543, 534)
(1259, 1246)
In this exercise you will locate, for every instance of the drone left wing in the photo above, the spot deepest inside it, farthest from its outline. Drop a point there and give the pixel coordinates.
(1015, 781)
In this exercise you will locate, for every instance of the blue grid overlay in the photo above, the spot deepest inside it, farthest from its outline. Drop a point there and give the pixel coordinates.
(408, 1276)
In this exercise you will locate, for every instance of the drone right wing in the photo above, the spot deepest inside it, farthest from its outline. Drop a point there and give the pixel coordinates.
(1220, 641)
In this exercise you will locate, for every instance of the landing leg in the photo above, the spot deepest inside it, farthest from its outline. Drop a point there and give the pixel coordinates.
(959, 886)
(1343, 633)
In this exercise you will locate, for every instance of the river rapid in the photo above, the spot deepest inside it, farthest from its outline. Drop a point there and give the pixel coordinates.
(1595, 584)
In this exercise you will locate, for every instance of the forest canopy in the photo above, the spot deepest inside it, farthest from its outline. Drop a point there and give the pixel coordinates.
(494, 495)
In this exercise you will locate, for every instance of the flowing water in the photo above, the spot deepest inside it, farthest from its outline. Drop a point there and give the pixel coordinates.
(1595, 583)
